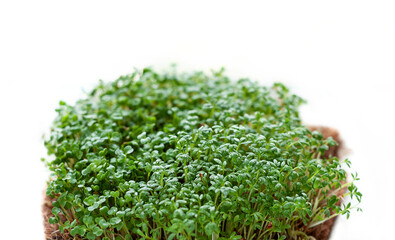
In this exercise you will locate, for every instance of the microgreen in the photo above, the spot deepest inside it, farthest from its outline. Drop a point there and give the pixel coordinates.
(191, 156)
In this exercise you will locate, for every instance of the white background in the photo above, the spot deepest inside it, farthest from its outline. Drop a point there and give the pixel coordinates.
(338, 55)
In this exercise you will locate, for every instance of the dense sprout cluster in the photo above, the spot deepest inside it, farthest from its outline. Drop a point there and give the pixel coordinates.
(190, 156)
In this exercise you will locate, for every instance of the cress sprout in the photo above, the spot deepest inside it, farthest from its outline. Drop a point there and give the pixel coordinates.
(191, 156)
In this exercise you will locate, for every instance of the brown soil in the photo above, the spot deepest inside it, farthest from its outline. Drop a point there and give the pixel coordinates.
(320, 232)
(323, 231)
(52, 230)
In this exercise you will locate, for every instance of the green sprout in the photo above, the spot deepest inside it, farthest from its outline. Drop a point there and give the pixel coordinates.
(191, 156)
